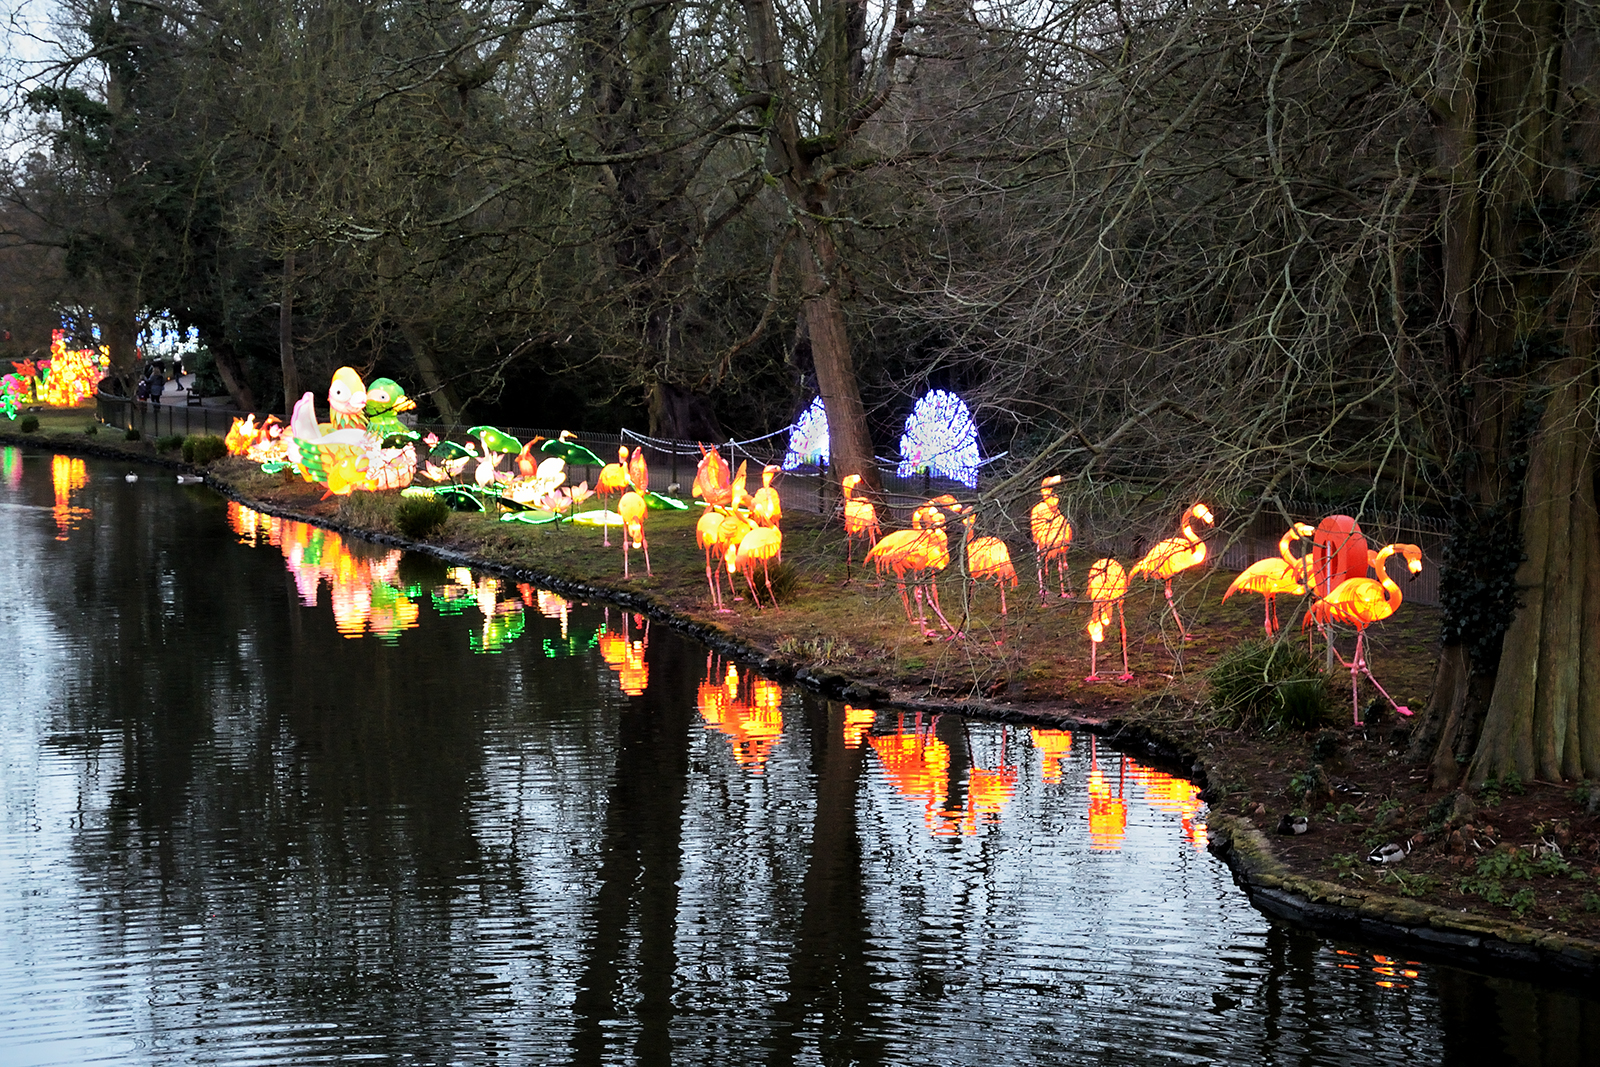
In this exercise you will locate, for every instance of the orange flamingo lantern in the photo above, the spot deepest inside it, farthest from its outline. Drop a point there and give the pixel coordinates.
(1174, 555)
(860, 520)
(765, 505)
(1108, 584)
(612, 481)
(917, 554)
(988, 557)
(712, 480)
(761, 544)
(1052, 536)
(1269, 577)
(1338, 553)
(1360, 602)
(633, 509)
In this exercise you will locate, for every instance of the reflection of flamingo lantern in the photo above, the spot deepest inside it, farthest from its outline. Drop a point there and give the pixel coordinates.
(860, 520)
(1269, 577)
(857, 721)
(1052, 536)
(1108, 584)
(1168, 558)
(917, 766)
(754, 724)
(1056, 747)
(988, 557)
(1108, 815)
(1360, 602)
(917, 554)
(1174, 796)
(626, 656)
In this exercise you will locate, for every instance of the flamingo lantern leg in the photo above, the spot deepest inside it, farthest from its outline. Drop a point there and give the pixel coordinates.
(933, 602)
(1359, 662)
(1360, 602)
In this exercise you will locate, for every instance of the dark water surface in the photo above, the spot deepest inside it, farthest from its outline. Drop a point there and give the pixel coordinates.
(270, 796)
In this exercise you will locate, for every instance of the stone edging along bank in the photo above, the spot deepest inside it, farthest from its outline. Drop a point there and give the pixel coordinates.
(1463, 938)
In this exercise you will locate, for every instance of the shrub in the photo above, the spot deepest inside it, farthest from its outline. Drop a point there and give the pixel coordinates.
(90, 429)
(1278, 684)
(419, 517)
(131, 435)
(29, 423)
(202, 448)
(169, 442)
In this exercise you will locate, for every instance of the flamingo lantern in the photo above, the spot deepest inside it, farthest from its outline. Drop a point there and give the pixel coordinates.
(765, 505)
(1360, 602)
(613, 480)
(1269, 577)
(1108, 585)
(860, 520)
(917, 554)
(639, 471)
(988, 557)
(633, 509)
(712, 479)
(1170, 557)
(761, 544)
(1052, 536)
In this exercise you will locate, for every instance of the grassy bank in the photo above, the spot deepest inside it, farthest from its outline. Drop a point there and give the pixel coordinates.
(1487, 853)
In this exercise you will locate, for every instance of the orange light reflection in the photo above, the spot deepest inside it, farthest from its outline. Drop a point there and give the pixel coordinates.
(1056, 745)
(68, 476)
(626, 656)
(747, 710)
(857, 721)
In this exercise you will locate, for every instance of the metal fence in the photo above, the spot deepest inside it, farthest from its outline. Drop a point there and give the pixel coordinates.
(162, 420)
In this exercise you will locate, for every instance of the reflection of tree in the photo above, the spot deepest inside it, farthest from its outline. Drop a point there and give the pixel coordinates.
(301, 805)
(830, 976)
(636, 903)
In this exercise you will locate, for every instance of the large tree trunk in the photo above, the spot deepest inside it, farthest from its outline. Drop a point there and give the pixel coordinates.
(806, 182)
(1517, 137)
(849, 441)
(1544, 717)
(121, 327)
(232, 375)
(291, 372)
(434, 383)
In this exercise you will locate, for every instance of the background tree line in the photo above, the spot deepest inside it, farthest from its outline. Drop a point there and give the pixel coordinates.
(1263, 252)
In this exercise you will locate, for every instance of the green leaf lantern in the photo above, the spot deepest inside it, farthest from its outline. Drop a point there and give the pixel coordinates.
(496, 440)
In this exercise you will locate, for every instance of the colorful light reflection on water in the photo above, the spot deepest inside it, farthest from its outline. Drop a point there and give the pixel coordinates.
(68, 475)
(229, 833)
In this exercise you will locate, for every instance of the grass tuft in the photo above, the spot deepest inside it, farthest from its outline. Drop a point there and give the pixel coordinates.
(1272, 683)
(419, 518)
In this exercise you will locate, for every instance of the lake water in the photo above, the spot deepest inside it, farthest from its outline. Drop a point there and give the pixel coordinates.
(269, 795)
